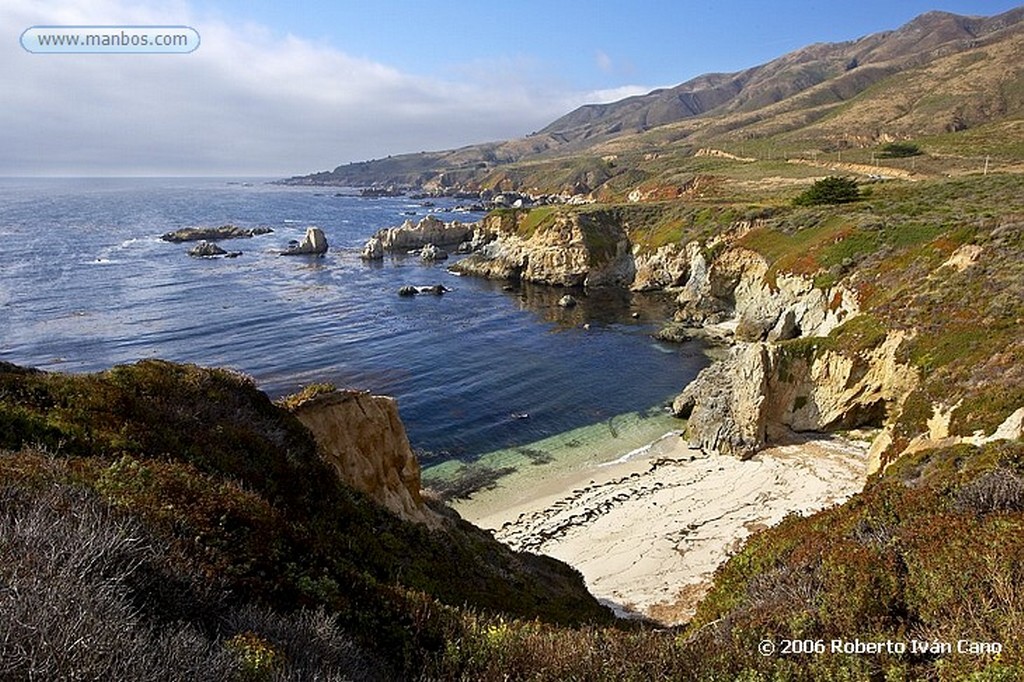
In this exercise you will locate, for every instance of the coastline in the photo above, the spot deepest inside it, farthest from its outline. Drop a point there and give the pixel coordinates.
(647, 529)
(504, 473)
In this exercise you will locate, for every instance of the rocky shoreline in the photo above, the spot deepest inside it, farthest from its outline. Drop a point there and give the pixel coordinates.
(803, 357)
(766, 387)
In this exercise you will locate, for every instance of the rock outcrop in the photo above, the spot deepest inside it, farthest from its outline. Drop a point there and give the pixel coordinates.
(783, 373)
(738, 285)
(666, 266)
(432, 253)
(411, 236)
(413, 290)
(205, 249)
(566, 249)
(763, 390)
(195, 234)
(363, 438)
(314, 243)
(373, 250)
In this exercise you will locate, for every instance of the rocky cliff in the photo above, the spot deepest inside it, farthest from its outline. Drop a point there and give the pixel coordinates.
(551, 246)
(363, 438)
(784, 371)
(858, 316)
(835, 324)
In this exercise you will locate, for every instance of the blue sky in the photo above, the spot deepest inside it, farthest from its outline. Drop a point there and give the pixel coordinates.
(282, 88)
(588, 45)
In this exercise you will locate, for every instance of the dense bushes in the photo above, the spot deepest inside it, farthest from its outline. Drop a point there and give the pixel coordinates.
(233, 489)
(88, 594)
(115, 563)
(931, 551)
(900, 150)
(830, 190)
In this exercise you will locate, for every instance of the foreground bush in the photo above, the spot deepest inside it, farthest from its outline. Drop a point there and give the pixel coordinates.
(87, 594)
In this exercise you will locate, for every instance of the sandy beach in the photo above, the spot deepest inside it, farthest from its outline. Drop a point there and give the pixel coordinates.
(648, 529)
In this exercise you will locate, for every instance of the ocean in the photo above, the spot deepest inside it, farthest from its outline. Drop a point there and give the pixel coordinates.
(87, 283)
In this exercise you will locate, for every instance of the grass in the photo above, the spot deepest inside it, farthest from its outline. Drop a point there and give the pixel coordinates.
(535, 219)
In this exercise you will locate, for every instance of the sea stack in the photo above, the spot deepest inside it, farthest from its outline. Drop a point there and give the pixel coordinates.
(314, 243)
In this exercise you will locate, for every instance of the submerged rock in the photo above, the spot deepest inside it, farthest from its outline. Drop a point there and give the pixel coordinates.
(436, 289)
(314, 243)
(673, 332)
(568, 301)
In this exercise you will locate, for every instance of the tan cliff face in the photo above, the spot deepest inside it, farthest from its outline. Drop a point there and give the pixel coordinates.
(570, 249)
(363, 438)
(766, 386)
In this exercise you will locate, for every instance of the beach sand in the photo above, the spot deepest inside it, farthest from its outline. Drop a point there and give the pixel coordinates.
(647, 530)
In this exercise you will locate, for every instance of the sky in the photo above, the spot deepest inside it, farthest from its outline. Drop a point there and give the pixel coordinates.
(283, 88)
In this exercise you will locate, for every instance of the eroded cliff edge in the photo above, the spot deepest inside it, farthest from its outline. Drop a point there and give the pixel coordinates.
(362, 437)
(900, 314)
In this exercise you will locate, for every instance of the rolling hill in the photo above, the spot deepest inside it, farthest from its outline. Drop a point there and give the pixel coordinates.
(940, 73)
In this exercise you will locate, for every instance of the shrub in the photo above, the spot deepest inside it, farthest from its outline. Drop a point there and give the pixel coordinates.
(997, 490)
(830, 190)
(900, 150)
(67, 608)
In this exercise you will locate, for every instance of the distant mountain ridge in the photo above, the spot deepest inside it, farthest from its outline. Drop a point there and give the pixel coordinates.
(793, 91)
(926, 37)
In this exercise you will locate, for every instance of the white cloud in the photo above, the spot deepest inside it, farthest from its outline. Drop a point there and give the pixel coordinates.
(603, 61)
(247, 101)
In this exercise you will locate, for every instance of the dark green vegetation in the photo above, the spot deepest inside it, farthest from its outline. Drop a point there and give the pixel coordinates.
(240, 524)
(830, 190)
(152, 567)
(900, 150)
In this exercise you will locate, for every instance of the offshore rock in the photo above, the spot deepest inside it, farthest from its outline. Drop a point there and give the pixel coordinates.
(567, 249)
(364, 439)
(411, 290)
(194, 234)
(205, 249)
(411, 236)
(314, 243)
(373, 250)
